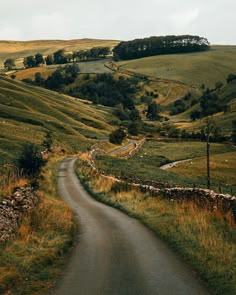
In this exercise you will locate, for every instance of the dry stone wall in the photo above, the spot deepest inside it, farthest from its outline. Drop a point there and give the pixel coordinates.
(205, 198)
(12, 209)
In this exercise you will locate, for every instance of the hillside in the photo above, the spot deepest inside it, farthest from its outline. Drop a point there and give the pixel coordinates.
(20, 49)
(167, 93)
(194, 69)
(27, 112)
(223, 120)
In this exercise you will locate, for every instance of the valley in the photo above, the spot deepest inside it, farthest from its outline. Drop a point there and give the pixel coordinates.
(171, 104)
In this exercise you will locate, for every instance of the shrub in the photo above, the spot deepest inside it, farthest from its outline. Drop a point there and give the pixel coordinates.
(117, 136)
(30, 160)
(230, 78)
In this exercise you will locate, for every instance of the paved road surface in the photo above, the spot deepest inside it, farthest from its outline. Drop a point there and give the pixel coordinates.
(116, 254)
(123, 148)
(173, 164)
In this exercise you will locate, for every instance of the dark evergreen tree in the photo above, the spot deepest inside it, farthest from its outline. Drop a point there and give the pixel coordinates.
(139, 48)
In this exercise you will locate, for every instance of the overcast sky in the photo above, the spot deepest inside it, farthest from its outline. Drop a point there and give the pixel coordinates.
(120, 19)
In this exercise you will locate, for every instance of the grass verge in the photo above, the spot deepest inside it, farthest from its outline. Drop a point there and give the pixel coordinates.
(206, 240)
(31, 263)
(153, 154)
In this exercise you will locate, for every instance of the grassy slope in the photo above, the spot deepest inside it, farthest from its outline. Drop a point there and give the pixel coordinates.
(30, 73)
(168, 92)
(193, 69)
(19, 49)
(27, 112)
(223, 120)
(145, 165)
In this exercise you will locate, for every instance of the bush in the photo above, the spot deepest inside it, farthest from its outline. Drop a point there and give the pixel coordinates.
(117, 136)
(195, 115)
(230, 78)
(30, 160)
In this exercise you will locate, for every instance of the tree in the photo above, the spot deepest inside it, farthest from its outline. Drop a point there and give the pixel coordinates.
(71, 71)
(117, 136)
(153, 111)
(139, 48)
(231, 77)
(39, 79)
(133, 128)
(134, 115)
(209, 103)
(49, 60)
(179, 107)
(195, 115)
(39, 60)
(30, 160)
(55, 81)
(9, 64)
(60, 57)
(233, 136)
(29, 61)
(104, 51)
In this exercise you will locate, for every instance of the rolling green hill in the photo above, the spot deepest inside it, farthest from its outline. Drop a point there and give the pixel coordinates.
(27, 112)
(194, 69)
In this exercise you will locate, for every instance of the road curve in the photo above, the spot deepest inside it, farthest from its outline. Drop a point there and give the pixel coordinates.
(116, 254)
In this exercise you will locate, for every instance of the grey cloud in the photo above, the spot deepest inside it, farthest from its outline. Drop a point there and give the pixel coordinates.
(124, 19)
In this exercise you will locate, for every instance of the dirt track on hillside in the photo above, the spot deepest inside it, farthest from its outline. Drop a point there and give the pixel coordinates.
(115, 254)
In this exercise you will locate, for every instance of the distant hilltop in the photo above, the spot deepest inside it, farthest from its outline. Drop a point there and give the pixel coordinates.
(20, 49)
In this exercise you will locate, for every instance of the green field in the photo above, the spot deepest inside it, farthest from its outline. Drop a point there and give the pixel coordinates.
(193, 69)
(145, 165)
(27, 112)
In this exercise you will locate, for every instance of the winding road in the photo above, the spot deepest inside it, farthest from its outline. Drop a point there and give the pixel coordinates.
(116, 254)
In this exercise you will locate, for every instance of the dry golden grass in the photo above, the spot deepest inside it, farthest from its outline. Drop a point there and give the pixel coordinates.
(30, 73)
(30, 263)
(7, 190)
(18, 46)
(103, 184)
(222, 167)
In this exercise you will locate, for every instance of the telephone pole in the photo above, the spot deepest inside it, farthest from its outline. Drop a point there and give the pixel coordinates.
(208, 163)
(209, 129)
